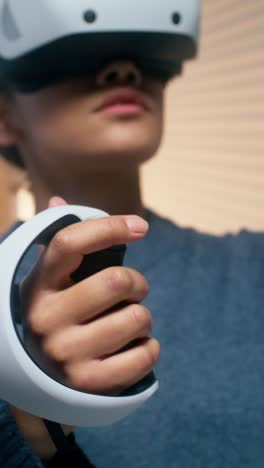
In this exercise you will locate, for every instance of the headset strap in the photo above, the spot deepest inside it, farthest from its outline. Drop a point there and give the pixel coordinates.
(69, 453)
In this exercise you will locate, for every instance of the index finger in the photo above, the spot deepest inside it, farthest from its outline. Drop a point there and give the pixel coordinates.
(66, 250)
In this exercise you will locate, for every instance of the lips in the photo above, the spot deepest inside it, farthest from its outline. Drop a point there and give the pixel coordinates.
(124, 96)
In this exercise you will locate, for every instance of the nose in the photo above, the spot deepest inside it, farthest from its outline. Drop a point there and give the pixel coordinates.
(119, 73)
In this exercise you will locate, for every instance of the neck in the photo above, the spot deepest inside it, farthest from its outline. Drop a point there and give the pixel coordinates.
(116, 192)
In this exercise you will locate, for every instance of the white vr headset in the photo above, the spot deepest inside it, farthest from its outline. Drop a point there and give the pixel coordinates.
(27, 381)
(42, 41)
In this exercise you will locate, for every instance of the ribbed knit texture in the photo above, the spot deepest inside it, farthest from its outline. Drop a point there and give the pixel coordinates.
(207, 300)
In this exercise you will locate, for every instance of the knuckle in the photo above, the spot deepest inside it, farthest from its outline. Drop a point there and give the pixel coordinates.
(141, 283)
(76, 378)
(150, 354)
(109, 229)
(40, 317)
(110, 224)
(144, 284)
(37, 323)
(55, 350)
(84, 377)
(60, 241)
(154, 350)
(142, 316)
(93, 378)
(116, 227)
(104, 382)
(146, 360)
(120, 279)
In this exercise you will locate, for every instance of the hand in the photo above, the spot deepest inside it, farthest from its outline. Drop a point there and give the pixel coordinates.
(83, 327)
(32, 427)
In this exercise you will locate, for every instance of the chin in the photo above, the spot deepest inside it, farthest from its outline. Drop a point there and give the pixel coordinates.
(130, 152)
(135, 142)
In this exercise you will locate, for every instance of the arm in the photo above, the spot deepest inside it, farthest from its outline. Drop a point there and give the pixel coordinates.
(36, 434)
(63, 298)
(14, 450)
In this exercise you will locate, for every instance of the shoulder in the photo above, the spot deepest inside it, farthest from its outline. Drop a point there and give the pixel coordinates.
(190, 242)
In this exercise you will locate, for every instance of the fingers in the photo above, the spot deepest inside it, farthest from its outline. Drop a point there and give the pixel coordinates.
(100, 338)
(56, 201)
(83, 327)
(88, 299)
(113, 375)
(65, 252)
(102, 292)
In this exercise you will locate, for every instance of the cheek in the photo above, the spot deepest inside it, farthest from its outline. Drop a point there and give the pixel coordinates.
(49, 128)
(70, 127)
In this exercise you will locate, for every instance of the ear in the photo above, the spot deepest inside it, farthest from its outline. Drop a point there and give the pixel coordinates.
(8, 133)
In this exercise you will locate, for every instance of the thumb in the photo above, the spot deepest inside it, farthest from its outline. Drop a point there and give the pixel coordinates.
(53, 201)
(56, 201)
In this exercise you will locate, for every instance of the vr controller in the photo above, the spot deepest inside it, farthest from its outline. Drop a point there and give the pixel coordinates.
(27, 380)
(48, 40)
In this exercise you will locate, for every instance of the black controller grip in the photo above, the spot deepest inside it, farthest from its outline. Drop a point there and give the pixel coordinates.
(95, 262)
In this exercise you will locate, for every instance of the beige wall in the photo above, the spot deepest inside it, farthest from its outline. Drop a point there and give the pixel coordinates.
(209, 173)
(210, 169)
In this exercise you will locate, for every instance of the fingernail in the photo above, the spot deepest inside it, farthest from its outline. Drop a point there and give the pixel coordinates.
(56, 201)
(137, 225)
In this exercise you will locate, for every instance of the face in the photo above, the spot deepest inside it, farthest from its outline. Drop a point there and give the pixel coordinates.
(111, 120)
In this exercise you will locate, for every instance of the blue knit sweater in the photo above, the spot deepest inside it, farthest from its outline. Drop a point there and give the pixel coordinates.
(207, 298)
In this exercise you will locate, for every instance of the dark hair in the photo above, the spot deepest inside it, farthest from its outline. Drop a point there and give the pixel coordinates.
(10, 153)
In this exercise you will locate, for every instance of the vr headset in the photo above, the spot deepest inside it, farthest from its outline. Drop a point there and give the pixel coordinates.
(44, 41)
